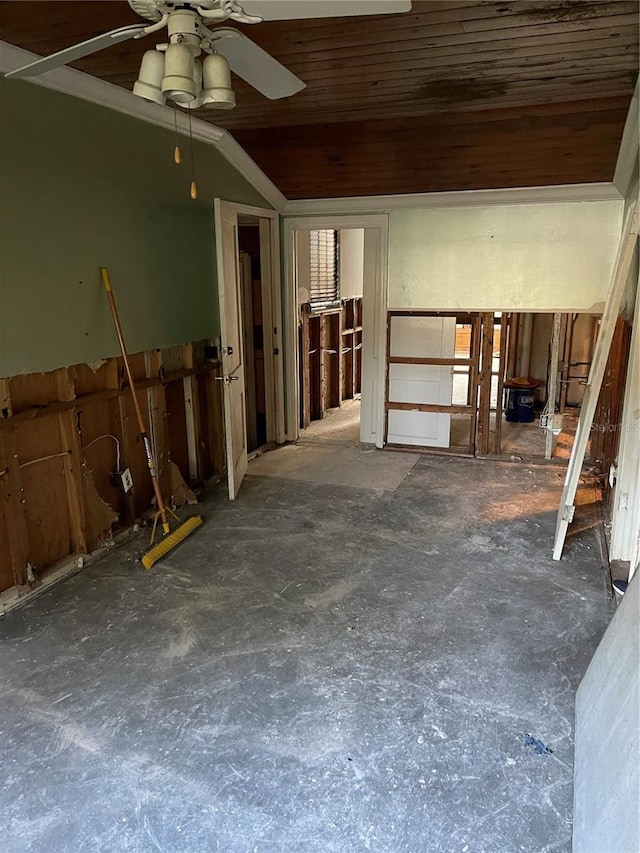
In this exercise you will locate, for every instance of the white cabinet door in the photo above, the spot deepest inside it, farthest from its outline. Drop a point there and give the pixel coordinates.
(421, 337)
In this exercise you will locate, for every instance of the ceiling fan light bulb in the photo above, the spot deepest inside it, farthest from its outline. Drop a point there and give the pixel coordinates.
(221, 99)
(216, 81)
(179, 82)
(149, 82)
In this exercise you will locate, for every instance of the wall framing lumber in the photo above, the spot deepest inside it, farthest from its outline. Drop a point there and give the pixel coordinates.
(505, 327)
(61, 434)
(475, 348)
(430, 407)
(472, 319)
(73, 478)
(484, 385)
(330, 358)
(620, 273)
(553, 382)
(13, 509)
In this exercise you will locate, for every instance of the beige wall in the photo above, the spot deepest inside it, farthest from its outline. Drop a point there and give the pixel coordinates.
(538, 257)
(351, 262)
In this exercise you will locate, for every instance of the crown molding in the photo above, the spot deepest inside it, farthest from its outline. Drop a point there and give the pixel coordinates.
(628, 154)
(464, 198)
(73, 82)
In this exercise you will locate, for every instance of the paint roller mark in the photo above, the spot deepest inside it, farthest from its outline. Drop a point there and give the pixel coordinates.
(68, 734)
(72, 736)
(478, 543)
(180, 647)
(334, 594)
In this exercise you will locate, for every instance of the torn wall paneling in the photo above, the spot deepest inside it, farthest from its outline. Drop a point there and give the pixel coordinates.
(64, 433)
(607, 420)
(16, 545)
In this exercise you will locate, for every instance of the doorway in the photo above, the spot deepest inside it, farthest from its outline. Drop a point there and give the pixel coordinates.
(247, 248)
(253, 332)
(335, 307)
(330, 286)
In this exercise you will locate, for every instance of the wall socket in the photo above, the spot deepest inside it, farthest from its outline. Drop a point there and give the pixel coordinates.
(122, 479)
(127, 480)
(551, 422)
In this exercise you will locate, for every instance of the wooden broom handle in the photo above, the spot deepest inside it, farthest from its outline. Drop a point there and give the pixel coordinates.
(106, 280)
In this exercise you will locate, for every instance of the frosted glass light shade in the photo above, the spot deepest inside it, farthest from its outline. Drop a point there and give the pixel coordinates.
(216, 82)
(149, 82)
(179, 82)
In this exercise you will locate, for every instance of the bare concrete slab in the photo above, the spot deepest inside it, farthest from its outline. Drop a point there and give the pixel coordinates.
(339, 426)
(318, 669)
(362, 468)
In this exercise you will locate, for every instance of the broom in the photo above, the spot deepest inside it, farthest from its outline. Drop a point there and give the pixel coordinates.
(169, 540)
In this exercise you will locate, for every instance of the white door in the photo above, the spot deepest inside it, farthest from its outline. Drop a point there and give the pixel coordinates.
(231, 350)
(415, 338)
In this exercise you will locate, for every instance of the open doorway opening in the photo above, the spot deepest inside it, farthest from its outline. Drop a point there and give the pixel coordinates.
(330, 288)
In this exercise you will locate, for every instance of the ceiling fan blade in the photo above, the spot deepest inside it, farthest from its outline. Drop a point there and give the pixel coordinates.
(62, 57)
(257, 67)
(283, 10)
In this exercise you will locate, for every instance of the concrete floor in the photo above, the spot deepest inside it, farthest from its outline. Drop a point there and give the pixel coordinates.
(339, 426)
(317, 668)
(525, 440)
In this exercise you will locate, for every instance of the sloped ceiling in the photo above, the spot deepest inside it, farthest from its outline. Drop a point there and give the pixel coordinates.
(450, 96)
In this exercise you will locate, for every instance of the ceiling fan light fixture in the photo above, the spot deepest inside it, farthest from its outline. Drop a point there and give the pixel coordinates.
(197, 76)
(216, 82)
(149, 82)
(179, 81)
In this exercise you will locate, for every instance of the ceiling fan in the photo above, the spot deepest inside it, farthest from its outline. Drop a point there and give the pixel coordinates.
(173, 71)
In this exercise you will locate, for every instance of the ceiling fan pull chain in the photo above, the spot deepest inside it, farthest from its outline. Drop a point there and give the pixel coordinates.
(177, 156)
(193, 189)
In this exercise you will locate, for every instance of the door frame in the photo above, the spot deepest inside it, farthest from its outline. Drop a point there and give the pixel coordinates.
(271, 288)
(374, 325)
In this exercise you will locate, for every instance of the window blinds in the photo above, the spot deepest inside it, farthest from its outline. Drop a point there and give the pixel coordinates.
(324, 279)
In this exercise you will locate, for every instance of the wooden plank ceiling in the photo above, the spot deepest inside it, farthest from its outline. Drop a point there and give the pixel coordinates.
(450, 96)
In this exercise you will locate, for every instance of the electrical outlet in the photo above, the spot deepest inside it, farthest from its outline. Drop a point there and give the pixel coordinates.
(551, 422)
(127, 480)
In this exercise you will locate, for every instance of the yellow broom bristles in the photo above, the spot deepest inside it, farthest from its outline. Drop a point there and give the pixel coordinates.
(170, 541)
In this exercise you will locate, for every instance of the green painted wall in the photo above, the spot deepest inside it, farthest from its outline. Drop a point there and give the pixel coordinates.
(82, 187)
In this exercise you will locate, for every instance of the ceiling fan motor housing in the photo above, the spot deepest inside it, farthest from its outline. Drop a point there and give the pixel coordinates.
(153, 10)
(184, 28)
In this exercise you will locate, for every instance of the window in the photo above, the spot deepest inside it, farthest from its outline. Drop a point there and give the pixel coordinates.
(324, 276)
